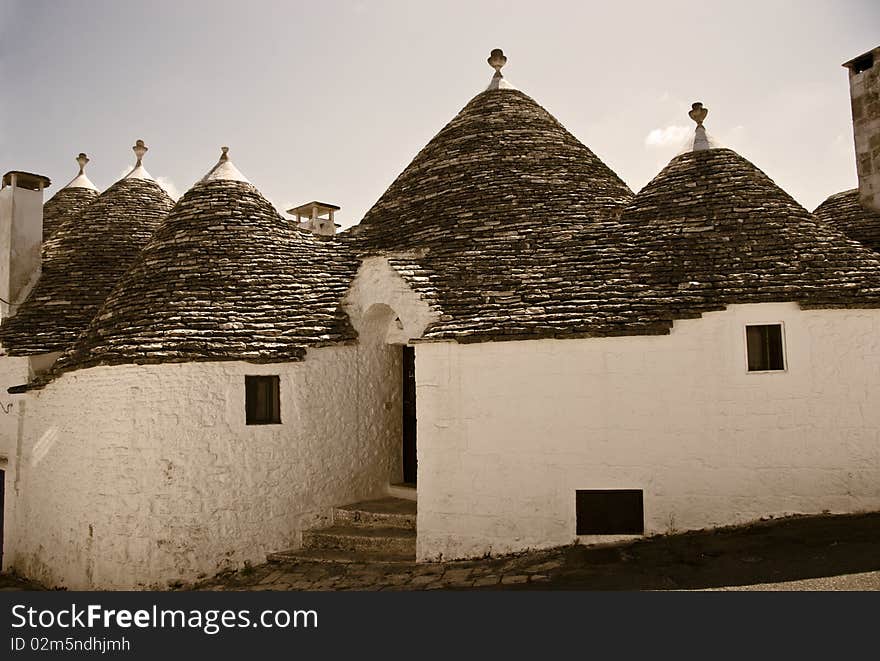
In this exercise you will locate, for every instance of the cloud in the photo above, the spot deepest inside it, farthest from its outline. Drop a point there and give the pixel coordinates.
(169, 187)
(672, 135)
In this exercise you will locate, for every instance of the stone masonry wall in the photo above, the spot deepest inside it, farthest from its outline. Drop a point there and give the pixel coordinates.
(14, 371)
(865, 98)
(138, 476)
(507, 431)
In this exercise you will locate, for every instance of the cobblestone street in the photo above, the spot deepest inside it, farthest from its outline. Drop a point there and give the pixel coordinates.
(786, 552)
(529, 568)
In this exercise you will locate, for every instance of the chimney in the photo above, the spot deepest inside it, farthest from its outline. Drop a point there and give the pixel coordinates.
(864, 90)
(316, 217)
(21, 236)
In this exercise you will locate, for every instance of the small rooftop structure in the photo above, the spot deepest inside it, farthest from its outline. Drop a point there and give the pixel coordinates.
(27, 180)
(316, 217)
(863, 62)
(864, 90)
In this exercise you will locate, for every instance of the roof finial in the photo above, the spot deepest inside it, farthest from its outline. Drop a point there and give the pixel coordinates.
(81, 180)
(139, 150)
(82, 159)
(497, 60)
(138, 171)
(698, 113)
(224, 170)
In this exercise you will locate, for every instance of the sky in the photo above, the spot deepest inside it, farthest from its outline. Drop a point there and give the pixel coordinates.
(331, 100)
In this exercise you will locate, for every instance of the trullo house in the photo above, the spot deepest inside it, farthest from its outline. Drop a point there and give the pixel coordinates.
(510, 351)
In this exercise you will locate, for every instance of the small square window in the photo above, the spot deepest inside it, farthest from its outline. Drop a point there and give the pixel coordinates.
(609, 512)
(262, 400)
(764, 347)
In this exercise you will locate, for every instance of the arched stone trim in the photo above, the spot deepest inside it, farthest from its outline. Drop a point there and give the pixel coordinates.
(382, 306)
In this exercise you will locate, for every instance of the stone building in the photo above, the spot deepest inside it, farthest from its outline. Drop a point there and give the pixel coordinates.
(510, 338)
(857, 212)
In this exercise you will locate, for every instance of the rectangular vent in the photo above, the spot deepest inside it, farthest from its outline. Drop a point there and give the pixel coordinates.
(610, 512)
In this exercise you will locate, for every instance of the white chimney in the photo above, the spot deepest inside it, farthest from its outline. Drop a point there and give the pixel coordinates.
(864, 90)
(316, 217)
(21, 236)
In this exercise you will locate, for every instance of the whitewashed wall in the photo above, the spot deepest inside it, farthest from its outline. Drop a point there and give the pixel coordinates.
(508, 431)
(14, 371)
(137, 476)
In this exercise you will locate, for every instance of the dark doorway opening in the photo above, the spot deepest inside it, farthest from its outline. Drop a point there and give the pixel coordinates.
(409, 415)
(2, 506)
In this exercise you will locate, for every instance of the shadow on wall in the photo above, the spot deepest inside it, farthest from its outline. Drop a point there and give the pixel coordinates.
(383, 325)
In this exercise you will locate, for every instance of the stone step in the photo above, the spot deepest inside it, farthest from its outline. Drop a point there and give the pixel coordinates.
(405, 490)
(359, 538)
(380, 513)
(342, 557)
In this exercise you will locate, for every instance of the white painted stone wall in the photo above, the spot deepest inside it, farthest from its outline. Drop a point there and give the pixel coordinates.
(137, 476)
(508, 431)
(382, 306)
(21, 236)
(14, 371)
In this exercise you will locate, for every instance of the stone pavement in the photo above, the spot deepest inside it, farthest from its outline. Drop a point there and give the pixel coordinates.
(527, 568)
(803, 551)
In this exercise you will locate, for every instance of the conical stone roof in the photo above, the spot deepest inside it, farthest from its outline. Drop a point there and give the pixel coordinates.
(74, 197)
(86, 256)
(846, 213)
(502, 165)
(709, 231)
(486, 222)
(65, 203)
(712, 230)
(225, 277)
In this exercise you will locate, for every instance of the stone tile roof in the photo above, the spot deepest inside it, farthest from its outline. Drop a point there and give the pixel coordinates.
(502, 166)
(709, 231)
(844, 211)
(86, 256)
(713, 230)
(223, 278)
(64, 203)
